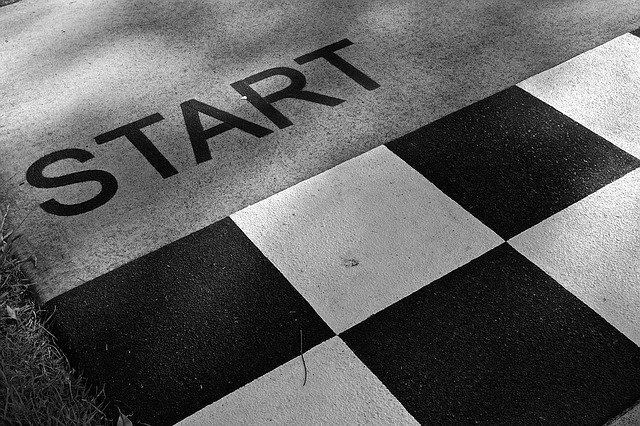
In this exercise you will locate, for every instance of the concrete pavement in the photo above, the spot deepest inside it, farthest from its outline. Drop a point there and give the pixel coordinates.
(76, 70)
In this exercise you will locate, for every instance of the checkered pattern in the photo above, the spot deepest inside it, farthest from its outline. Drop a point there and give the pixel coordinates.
(480, 270)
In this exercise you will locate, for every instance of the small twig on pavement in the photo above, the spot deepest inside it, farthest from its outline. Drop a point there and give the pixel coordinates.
(303, 363)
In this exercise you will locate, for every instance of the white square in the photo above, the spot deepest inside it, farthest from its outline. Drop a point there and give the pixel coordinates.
(592, 248)
(340, 390)
(599, 89)
(363, 235)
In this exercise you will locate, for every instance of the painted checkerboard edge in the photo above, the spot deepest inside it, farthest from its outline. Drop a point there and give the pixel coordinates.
(629, 417)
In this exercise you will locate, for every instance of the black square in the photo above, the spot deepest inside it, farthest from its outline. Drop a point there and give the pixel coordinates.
(512, 160)
(181, 327)
(499, 342)
(636, 32)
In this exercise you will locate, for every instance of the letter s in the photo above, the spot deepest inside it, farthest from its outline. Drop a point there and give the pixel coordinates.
(36, 178)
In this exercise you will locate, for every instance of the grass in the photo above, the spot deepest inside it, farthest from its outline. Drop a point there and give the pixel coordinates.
(37, 384)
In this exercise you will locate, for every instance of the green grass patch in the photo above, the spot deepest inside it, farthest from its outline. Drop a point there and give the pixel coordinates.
(37, 384)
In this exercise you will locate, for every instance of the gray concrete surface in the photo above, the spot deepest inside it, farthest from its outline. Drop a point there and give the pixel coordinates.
(74, 70)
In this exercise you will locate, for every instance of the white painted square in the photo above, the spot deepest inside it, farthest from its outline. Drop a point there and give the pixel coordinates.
(340, 390)
(363, 235)
(599, 89)
(592, 248)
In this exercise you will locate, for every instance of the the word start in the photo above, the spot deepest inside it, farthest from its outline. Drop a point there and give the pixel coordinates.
(198, 135)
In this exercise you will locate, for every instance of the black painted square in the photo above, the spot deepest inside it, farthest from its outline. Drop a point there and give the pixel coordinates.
(636, 32)
(512, 160)
(185, 325)
(499, 342)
